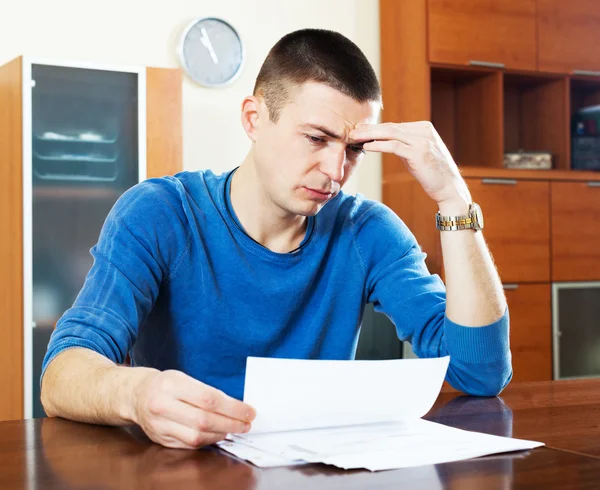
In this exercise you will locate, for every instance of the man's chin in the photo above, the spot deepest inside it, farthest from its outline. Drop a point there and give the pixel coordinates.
(309, 209)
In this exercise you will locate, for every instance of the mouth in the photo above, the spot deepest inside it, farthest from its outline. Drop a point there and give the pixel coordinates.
(318, 194)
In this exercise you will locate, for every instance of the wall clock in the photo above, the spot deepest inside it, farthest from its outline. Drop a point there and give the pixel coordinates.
(211, 52)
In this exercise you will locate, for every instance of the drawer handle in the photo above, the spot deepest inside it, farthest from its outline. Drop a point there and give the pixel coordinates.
(510, 287)
(588, 73)
(593, 184)
(488, 64)
(499, 181)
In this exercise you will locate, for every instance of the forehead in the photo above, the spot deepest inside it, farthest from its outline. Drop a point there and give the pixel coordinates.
(318, 103)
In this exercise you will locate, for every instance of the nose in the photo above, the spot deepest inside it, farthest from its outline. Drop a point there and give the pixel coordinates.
(333, 164)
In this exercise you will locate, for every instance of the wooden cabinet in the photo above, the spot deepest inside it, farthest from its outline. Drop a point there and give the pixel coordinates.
(530, 335)
(491, 31)
(466, 109)
(569, 35)
(406, 197)
(517, 227)
(75, 138)
(575, 231)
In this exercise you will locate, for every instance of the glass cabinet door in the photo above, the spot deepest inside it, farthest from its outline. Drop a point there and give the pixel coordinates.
(576, 330)
(84, 155)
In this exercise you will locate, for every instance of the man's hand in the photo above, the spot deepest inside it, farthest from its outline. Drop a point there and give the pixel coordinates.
(425, 155)
(177, 411)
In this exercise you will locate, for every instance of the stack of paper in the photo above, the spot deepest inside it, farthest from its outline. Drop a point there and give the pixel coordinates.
(353, 414)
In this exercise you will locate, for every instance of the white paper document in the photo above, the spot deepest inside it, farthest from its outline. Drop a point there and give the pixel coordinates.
(353, 414)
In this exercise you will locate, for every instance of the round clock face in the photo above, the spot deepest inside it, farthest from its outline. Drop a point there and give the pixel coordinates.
(211, 52)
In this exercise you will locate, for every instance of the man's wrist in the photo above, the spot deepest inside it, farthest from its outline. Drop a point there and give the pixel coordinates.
(458, 207)
(129, 393)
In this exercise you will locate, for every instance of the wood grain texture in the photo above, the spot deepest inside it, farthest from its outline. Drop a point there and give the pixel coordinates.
(517, 228)
(466, 109)
(501, 173)
(479, 116)
(404, 68)
(564, 415)
(536, 116)
(11, 242)
(164, 121)
(410, 202)
(568, 35)
(530, 309)
(499, 31)
(575, 232)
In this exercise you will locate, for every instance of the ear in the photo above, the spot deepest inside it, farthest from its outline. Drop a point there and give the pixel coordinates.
(253, 113)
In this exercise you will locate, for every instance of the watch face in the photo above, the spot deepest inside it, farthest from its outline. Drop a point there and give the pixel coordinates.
(211, 52)
(476, 211)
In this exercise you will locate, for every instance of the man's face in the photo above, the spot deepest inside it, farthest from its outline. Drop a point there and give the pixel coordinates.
(305, 158)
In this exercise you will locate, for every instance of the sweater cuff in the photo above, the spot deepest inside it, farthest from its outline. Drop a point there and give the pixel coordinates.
(478, 345)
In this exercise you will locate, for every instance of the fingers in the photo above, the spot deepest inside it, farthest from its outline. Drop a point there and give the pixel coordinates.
(412, 133)
(391, 146)
(204, 421)
(174, 435)
(210, 399)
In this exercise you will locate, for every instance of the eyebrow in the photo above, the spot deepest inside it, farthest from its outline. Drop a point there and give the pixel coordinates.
(331, 133)
(324, 130)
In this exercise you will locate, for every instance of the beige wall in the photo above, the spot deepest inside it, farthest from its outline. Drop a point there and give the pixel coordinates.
(134, 32)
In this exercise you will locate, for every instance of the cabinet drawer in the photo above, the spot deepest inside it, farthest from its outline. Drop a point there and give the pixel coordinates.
(517, 227)
(569, 37)
(499, 32)
(530, 331)
(575, 231)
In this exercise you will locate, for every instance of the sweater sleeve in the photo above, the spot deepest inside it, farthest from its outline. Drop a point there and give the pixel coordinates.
(139, 247)
(399, 285)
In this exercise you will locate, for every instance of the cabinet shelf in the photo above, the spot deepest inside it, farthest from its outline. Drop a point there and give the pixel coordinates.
(466, 109)
(511, 174)
(83, 193)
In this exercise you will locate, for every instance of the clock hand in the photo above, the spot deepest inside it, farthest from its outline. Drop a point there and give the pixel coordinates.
(208, 45)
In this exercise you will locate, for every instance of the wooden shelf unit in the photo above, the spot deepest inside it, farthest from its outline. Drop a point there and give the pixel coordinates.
(494, 79)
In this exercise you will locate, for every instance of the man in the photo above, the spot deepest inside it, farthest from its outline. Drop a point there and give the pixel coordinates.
(194, 273)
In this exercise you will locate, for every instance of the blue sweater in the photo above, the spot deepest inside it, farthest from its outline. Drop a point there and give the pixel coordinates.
(178, 284)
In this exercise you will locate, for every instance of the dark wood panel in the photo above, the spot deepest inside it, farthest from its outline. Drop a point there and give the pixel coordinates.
(562, 414)
(568, 35)
(480, 141)
(404, 68)
(530, 309)
(499, 31)
(164, 137)
(575, 232)
(410, 202)
(536, 116)
(11, 242)
(500, 173)
(466, 109)
(517, 228)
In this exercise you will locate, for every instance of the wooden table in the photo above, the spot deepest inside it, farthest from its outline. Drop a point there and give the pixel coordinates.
(55, 453)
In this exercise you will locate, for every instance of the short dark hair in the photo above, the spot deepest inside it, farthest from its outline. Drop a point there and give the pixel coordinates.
(315, 55)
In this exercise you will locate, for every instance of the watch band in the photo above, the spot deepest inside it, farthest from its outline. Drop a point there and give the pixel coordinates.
(471, 221)
(454, 223)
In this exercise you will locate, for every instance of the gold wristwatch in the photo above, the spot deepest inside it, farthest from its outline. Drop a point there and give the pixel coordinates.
(471, 221)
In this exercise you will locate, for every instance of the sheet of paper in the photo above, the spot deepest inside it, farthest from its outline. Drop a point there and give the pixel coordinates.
(379, 446)
(256, 456)
(290, 394)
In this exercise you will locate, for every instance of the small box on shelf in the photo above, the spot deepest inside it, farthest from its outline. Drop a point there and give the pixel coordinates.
(530, 160)
(536, 129)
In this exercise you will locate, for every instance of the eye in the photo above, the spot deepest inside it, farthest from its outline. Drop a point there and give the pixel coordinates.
(315, 139)
(356, 149)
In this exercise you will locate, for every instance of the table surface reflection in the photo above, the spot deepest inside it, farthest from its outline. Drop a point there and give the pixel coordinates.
(55, 453)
